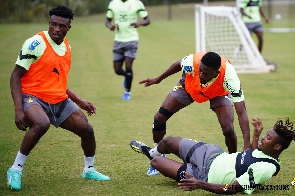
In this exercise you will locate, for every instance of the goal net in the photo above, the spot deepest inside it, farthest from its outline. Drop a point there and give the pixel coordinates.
(220, 29)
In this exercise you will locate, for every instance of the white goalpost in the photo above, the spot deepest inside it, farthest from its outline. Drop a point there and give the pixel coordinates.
(220, 29)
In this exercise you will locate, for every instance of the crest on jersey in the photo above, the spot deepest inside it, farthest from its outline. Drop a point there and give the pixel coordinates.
(187, 64)
(34, 44)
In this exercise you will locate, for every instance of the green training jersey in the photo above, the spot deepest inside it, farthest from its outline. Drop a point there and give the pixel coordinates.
(126, 13)
(34, 47)
(251, 8)
(222, 170)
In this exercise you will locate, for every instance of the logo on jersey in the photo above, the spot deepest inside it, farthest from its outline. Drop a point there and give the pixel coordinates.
(187, 68)
(34, 44)
(187, 65)
(30, 100)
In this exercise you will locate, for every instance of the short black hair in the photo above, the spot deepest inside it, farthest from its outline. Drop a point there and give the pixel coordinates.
(211, 59)
(285, 132)
(62, 11)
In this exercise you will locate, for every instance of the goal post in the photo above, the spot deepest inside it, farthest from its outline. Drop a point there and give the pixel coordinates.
(220, 29)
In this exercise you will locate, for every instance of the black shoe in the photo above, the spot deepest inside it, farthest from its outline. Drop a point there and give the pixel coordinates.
(140, 147)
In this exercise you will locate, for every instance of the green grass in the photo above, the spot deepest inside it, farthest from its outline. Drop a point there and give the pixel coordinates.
(55, 165)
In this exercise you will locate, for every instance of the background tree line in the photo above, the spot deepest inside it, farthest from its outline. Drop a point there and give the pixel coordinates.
(24, 11)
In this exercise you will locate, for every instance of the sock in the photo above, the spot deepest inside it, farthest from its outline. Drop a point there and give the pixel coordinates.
(122, 72)
(88, 161)
(128, 78)
(19, 161)
(154, 152)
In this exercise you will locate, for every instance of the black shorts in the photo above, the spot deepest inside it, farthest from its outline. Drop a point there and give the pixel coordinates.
(197, 157)
(57, 113)
(179, 93)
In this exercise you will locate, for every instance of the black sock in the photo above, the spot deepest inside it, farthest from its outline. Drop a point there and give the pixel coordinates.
(128, 78)
(122, 72)
(146, 150)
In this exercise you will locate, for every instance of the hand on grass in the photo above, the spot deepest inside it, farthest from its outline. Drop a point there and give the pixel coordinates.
(188, 184)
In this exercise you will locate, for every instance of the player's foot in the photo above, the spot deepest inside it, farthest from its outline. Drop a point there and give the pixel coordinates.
(14, 179)
(126, 96)
(140, 147)
(94, 175)
(152, 171)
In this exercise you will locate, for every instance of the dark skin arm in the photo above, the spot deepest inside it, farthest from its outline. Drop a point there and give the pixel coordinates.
(16, 93)
(83, 104)
(244, 123)
(243, 13)
(174, 68)
(108, 22)
(191, 183)
(146, 21)
(263, 15)
(258, 127)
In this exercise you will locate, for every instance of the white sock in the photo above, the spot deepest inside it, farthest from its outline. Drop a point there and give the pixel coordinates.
(19, 161)
(88, 161)
(154, 152)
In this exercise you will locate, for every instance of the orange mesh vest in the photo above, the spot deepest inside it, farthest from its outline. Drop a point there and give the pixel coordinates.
(193, 85)
(47, 77)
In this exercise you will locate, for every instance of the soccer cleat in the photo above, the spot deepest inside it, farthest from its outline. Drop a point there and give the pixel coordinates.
(126, 96)
(152, 171)
(94, 175)
(14, 179)
(140, 147)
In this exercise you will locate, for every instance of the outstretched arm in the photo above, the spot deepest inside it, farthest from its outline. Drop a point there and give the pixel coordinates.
(243, 122)
(174, 68)
(258, 127)
(83, 104)
(191, 183)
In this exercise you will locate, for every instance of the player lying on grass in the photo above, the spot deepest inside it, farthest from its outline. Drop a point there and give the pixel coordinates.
(241, 171)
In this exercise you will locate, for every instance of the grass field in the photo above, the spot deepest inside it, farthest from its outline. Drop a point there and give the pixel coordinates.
(55, 165)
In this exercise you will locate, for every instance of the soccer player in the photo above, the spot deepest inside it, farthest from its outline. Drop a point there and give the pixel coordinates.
(125, 45)
(41, 96)
(206, 77)
(251, 11)
(207, 166)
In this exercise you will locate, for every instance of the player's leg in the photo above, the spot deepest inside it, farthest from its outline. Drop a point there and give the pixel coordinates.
(129, 73)
(169, 145)
(118, 68)
(166, 166)
(258, 30)
(177, 99)
(223, 107)
(76, 122)
(130, 55)
(38, 125)
(259, 35)
(118, 59)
